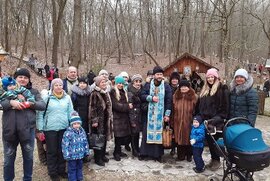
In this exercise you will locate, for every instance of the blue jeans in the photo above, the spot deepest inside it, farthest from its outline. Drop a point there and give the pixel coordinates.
(10, 150)
(75, 172)
(197, 156)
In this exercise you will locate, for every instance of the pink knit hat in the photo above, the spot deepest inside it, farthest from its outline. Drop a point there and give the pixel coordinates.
(213, 72)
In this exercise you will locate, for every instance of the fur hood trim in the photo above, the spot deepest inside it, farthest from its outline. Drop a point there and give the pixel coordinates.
(240, 89)
(81, 92)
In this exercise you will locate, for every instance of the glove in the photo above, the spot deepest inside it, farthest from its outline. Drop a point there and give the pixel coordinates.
(40, 136)
(192, 141)
(26, 105)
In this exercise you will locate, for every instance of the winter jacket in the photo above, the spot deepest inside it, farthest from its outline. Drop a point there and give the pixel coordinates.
(199, 135)
(74, 144)
(57, 115)
(121, 126)
(100, 111)
(16, 124)
(244, 101)
(135, 112)
(215, 108)
(67, 84)
(184, 107)
(80, 99)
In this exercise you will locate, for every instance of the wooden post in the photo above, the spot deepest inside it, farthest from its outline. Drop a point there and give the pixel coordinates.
(261, 95)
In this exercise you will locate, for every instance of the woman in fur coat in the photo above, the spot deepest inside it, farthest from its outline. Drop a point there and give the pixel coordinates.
(121, 125)
(244, 98)
(184, 102)
(100, 116)
(213, 106)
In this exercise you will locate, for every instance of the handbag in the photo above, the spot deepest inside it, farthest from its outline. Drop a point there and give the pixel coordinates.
(167, 135)
(96, 140)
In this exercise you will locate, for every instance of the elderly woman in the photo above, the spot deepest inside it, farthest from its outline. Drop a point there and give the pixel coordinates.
(213, 106)
(53, 122)
(244, 98)
(100, 116)
(18, 124)
(121, 126)
(184, 101)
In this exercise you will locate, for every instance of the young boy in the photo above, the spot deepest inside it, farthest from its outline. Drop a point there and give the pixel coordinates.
(13, 91)
(197, 137)
(75, 147)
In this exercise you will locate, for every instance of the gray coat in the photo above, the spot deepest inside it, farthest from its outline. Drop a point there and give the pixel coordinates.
(17, 123)
(244, 101)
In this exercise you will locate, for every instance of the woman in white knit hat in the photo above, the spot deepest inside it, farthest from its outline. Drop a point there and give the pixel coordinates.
(244, 99)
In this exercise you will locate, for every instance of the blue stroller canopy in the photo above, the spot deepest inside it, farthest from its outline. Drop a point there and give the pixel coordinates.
(245, 138)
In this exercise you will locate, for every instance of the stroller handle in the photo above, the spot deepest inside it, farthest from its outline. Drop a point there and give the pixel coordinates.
(235, 121)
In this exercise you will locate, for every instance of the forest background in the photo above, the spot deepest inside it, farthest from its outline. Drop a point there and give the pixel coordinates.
(90, 34)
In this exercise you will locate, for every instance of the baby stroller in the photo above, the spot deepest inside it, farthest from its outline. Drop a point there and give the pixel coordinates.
(243, 149)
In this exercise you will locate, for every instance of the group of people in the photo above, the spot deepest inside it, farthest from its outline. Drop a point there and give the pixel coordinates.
(63, 117)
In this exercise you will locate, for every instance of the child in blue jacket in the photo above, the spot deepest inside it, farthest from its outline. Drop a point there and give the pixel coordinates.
(75, 147)
(197, 137)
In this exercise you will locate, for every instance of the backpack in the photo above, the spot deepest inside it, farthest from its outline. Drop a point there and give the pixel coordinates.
(55, 75)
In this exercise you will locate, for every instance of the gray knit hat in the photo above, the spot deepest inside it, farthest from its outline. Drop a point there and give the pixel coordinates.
(136, 77)
(98, 79)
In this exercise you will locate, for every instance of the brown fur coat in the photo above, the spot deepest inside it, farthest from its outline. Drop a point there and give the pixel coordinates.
(184, 106)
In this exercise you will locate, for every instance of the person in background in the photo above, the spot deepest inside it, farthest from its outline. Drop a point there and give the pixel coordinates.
(244, 99)
(121, 126)
(158, 95)
(197, 137)
(184, 103)
(134, 93)
(174, 83)
(18, 127)
(46, 68)
(100, 116)
(105, 74)
(70, 80)
(149, 76)
(80, 98)
(266, 87)
(213, 106)
(90, 76)
(75, 147)
(53, 124)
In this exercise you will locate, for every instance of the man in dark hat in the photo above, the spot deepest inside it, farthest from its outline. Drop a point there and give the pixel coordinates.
(158, 95)
(19, 125)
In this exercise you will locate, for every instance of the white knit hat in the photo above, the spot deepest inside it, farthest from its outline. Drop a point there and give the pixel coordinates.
(103, 72)
(241, 72)
(124, 74)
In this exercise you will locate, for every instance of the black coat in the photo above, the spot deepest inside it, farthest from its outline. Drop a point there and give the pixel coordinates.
(80, 100)
(121, 125)
(135, 112)
(216, 107)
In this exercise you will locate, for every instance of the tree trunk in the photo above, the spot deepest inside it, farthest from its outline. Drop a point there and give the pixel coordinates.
(44, 34)
(29, 17)
(75, 52)
(7, 48)
(57, 18)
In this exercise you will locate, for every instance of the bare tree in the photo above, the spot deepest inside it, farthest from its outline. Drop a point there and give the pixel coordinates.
(75, 52)
(57, 16)
(29, 17)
